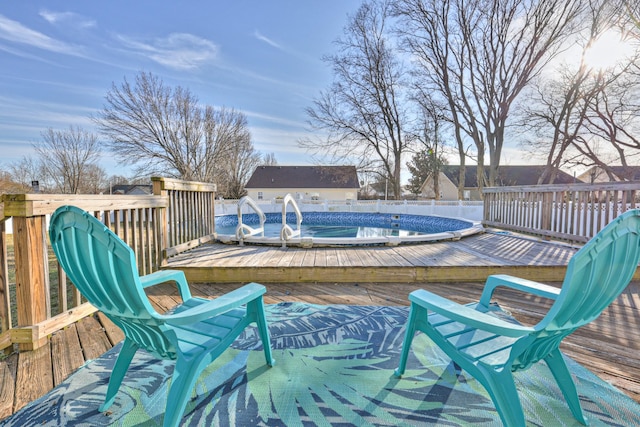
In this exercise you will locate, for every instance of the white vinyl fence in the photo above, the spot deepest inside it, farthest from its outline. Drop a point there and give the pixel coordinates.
(470, 210)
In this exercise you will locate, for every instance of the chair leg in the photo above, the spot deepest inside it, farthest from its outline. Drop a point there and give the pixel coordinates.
(183, 380)
(263, 331)
(504, 394)
(408, 339)
(127, 352)
(561, 373)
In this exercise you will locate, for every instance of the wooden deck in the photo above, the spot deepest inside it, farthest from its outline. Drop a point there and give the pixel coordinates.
(608, 346)
(472, 258)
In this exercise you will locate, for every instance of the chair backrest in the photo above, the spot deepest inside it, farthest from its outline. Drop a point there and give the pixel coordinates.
(596, 275)
(104, 270)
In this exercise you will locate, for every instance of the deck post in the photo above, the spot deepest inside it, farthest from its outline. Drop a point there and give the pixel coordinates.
(161, 221)
(5, 301)
(32, 273)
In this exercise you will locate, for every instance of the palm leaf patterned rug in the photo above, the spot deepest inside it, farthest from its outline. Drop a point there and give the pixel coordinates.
(334, 367)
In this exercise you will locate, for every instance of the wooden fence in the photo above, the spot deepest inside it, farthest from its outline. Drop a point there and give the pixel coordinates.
(574, 212)
(36, 296)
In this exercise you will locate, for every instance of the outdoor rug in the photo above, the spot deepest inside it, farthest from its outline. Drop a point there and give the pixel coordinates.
(334, 366)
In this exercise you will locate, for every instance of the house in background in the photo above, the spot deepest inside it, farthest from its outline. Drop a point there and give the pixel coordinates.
(304, 182)
(507, 176)
(620, 173)
(133, 189)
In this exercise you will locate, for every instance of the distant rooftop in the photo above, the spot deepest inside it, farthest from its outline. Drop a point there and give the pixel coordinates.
(507, 175)
(132, 189)
(304, 177)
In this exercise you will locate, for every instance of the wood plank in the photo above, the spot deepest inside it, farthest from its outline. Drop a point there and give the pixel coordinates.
(113, 332)
(298, 257)
(343, 258)
(270, 258)
(66, 353)
(34, 376)
(394, 255)
(286, 257)
(369, 274)
(255, 256)
(92, 337)
(8, 376)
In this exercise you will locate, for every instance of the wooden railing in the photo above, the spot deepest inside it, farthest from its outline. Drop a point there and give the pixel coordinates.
(574, 212)
(37, 298)
(190, 217)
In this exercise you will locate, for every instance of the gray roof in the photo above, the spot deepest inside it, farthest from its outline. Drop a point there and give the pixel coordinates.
(628, 173)
(304, 177)
(507, 175)
(132, 189)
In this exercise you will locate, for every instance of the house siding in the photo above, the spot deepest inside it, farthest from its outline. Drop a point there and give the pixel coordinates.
(448, 190)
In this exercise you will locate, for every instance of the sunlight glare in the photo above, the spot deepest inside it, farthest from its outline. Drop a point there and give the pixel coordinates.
(609, 50)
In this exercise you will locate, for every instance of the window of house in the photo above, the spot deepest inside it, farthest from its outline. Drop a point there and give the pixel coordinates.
(260, 195)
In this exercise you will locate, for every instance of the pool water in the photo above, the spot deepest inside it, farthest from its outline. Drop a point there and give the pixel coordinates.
(350, 226)
(326, 231)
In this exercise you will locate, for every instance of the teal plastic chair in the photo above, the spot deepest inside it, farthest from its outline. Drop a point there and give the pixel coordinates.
(491, 349)
(194, 334)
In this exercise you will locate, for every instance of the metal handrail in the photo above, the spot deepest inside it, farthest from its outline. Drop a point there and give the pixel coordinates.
(243, 230)
(287, 232)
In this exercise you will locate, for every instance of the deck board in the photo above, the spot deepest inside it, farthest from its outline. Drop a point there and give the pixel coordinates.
(8, 375)
(92, 337)
(34, 376)
(469, 259)
(376, 275)
(67, 352)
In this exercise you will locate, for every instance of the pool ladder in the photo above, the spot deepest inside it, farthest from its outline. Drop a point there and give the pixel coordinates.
(286, 232)
(243, 230)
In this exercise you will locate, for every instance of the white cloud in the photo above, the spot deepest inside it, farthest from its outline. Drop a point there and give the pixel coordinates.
(267, 40)
(179, 51)
(275, 119)
(15, 32)
(24, 113)
(22, 53)
(67, 19)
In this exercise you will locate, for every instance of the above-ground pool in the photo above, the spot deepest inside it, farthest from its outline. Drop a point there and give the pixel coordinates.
(347, 228)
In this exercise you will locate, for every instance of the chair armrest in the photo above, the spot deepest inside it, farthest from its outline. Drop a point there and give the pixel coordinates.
(217, 306)
(468, 316)
(517, 283)
(163, 276)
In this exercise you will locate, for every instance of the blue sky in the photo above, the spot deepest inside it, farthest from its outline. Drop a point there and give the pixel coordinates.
(58, 60)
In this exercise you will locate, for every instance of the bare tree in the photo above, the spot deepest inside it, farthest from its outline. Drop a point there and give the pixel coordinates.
(362, 112)
(95, 180)
(9, 186)
(240, 162)
(157, 128)
(25, 171)
(579, 113)
(68, 158)
(615, 119)
(429, 157)
(269, 159)
(479, 55)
